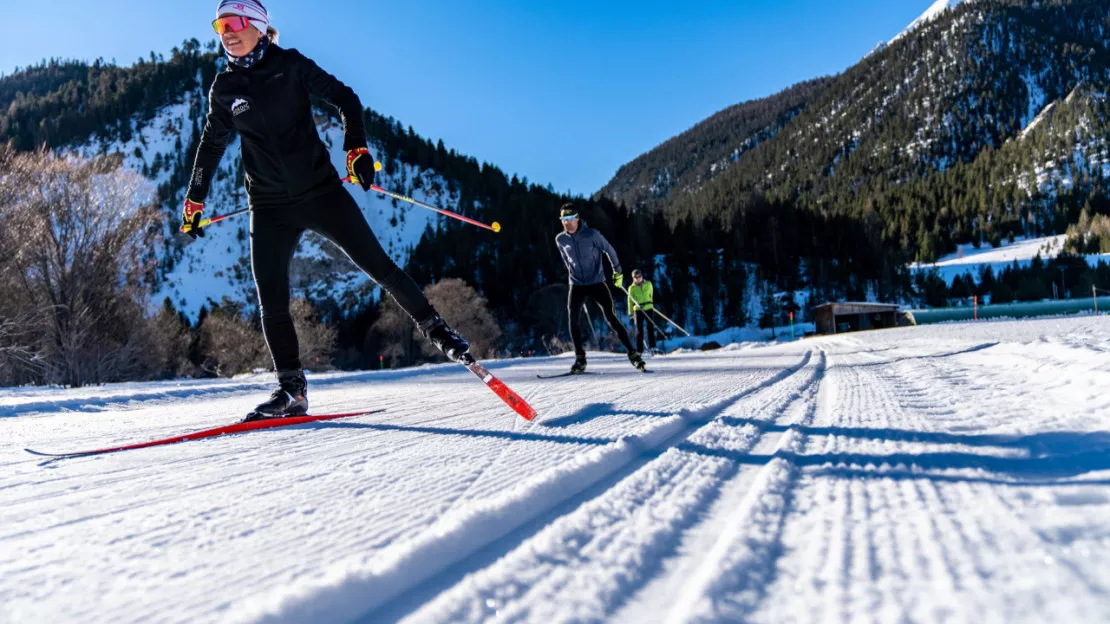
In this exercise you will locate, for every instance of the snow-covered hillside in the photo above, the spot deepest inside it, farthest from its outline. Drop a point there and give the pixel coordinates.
(218, 266)
(934, 10)
(951, 473)
(968, 259)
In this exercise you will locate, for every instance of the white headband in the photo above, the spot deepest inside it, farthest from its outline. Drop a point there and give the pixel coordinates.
(250, 9)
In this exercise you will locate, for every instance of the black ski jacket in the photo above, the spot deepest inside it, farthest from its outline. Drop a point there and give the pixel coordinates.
(269, 105)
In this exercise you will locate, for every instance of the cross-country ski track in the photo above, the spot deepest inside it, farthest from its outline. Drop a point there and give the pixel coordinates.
(956, 473)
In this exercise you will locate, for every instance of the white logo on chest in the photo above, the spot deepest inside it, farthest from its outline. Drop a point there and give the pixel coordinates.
(239, 106)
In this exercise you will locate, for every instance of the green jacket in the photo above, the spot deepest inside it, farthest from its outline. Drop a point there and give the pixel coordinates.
(642, 294)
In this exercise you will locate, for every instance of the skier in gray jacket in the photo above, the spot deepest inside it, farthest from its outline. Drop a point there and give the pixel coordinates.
(582, 248)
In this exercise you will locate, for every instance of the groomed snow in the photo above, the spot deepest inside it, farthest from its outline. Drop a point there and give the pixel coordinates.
(954, 473)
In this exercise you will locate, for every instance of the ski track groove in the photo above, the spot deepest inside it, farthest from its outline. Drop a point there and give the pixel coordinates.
(279, 506)
(643, 492)
(504, 450)
(592, 427)
(842, 484)
(358, 594)
(945, 547)
(734, 575)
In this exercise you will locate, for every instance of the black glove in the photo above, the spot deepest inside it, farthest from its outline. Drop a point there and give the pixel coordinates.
(360, 167)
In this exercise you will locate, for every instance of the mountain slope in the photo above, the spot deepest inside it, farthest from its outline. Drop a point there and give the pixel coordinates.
(684, 163)
(934, 11)
(985, 120)
(956, 87)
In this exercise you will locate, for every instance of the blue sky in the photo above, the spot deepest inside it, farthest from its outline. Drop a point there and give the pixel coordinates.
(562, 92)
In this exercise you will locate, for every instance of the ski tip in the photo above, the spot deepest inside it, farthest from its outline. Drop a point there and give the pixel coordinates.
(41, 454)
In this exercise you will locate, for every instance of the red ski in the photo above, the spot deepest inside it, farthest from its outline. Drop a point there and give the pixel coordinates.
(269, 423)
(512, 399)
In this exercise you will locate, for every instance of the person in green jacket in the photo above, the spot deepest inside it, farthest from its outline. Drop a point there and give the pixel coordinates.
(641, 295)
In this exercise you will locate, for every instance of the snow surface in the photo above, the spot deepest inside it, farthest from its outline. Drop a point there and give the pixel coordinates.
(968, 259)
(954, 473)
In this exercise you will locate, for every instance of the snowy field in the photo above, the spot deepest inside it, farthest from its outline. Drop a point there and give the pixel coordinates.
(968, 259)
(956, 473)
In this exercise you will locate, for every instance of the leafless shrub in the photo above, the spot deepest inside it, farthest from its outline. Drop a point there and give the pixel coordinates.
(168, 338)
(76, 237)
(459, 304)
(466, 311)
(317, 340)
(230, 344)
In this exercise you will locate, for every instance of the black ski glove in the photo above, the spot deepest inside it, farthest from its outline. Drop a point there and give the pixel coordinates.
(360, 167)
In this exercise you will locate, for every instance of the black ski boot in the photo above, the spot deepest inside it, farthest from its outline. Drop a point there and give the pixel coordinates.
(637, 361)
(579, 365)
(290, 399)
(454, 346)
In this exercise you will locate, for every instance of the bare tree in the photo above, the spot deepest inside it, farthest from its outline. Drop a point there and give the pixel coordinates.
(394, 334)
(77, 263)
(168, 338)
(229, 344)
(466, 311)
(18, 360)
(316, 339)
(462, 307)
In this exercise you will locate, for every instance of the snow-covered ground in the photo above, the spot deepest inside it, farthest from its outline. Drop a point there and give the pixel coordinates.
(968, 259)
(738, 335)
(956, 473)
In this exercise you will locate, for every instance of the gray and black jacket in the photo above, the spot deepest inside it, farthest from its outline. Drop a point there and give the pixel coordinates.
(582, 253)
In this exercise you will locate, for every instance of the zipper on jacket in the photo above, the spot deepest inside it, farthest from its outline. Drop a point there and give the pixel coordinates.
(270, 147)
(577, 254)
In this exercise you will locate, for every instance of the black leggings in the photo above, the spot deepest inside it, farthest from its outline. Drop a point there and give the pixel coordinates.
(599, 293)
(275, 232)
(642, 321)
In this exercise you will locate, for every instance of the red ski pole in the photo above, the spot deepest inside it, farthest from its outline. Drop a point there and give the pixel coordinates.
(494, 227)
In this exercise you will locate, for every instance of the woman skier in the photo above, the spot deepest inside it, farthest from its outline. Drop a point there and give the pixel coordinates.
(265, 95)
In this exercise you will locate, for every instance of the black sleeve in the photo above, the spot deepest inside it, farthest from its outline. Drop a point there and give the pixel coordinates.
(217, 128)
(328, 88)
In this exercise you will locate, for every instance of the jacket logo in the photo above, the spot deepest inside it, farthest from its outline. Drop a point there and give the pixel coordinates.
(239, 106)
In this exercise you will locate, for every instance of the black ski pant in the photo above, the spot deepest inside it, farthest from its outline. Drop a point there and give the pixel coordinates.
(275, 232)
(599, 293)
(642, 321)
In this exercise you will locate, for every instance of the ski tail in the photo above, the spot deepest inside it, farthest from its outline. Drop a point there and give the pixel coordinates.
(511, 398)
(559, 375)
(254, 425)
